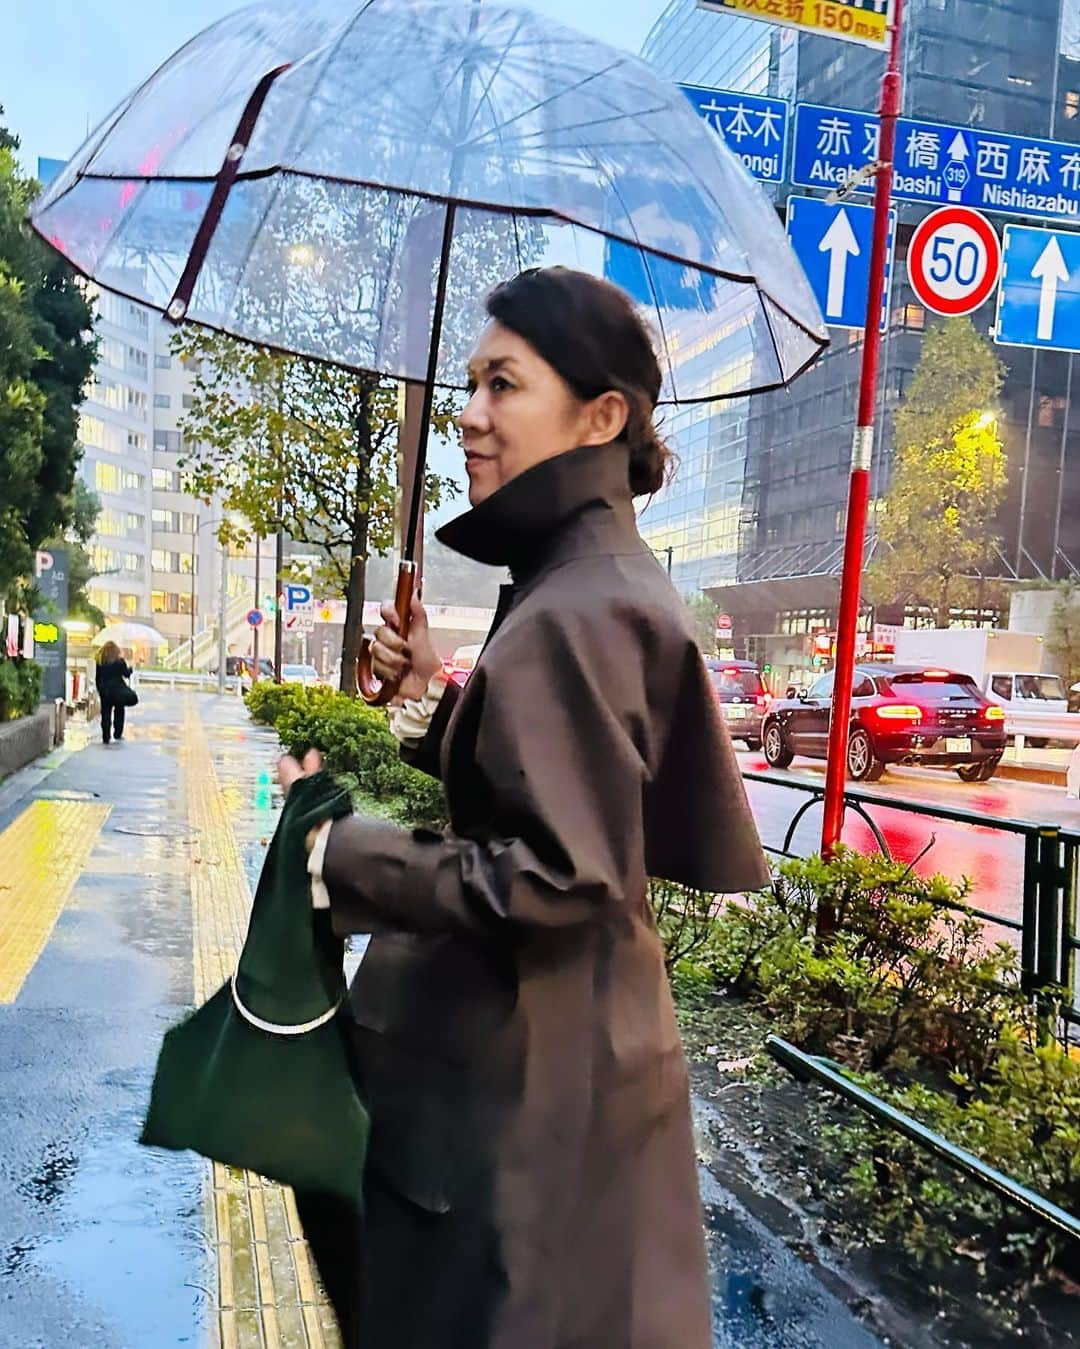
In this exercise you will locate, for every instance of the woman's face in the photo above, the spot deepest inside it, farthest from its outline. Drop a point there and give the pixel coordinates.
(521, 412)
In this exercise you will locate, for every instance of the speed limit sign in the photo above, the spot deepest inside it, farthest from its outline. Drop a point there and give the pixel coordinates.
(954, 260)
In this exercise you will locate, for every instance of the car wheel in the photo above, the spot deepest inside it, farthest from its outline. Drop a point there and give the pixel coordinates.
(863, 763)
(777, 753)
(752, 745)
(970, 772)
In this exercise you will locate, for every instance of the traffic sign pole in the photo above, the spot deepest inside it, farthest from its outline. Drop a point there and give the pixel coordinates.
(861, 459)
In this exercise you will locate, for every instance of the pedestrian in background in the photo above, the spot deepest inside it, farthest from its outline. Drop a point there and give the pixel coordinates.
(531, 1178)
(111, 678)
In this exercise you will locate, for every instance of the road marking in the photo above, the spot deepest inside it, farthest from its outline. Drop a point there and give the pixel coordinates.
(268, 1294)
(44, 853)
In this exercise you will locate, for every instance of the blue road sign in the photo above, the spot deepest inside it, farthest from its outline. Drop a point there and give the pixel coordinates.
(1039, 294)
(756, 128)
(833, 244)
(298, 598)
(940, 165)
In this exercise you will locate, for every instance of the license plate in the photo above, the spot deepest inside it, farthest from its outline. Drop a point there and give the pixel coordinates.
(958, 746)
(734, 712)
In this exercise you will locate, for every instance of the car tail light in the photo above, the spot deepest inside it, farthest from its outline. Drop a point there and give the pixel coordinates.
(899, 712)
(994, 713)
(935, 674)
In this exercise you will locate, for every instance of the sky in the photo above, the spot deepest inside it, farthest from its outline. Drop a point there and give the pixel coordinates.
(65, 64)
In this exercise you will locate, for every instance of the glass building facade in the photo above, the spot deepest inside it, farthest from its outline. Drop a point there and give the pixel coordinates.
(756, 513)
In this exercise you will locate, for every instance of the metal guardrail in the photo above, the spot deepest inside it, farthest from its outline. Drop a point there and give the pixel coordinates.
(174, 679)
(1027, 726)
(835, 1078)
(1048, 923)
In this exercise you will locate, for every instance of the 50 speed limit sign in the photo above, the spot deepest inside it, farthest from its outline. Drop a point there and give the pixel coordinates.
(954, 260)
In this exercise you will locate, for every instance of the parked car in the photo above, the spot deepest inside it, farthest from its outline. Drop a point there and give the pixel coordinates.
(742, 696)
(299, 674)
(462, 663)
(900, 714)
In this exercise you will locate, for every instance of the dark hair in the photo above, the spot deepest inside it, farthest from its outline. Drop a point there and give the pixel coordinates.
(589, 331)
(109, 652)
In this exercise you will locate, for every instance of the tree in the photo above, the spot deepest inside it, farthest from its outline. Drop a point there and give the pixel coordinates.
(1063, 635)
(286, 441)
(949, 478)
(703, 611)
(46, 354)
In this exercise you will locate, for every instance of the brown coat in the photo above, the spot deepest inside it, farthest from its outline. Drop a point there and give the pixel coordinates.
(517, 1038)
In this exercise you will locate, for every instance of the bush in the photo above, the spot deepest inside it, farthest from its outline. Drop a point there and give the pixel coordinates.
(907, 977)
(20, 687)
(356, 744)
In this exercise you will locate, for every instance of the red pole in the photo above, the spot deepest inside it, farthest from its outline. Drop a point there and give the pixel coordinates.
(861, 457)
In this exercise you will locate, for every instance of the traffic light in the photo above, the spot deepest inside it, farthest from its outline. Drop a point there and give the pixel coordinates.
(766, 669)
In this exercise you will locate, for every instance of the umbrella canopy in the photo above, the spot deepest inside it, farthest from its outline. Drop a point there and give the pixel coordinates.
(301, 176)
(130, 634)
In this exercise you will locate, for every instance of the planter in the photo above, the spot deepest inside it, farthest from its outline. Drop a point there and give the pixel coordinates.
(28, 738)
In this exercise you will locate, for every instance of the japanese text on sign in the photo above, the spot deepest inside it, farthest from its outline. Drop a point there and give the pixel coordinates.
(863, 21)
(941, 165)
(754, 127)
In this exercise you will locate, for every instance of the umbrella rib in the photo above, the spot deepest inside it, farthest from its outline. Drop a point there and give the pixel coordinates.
(498, 67)
(561, 93)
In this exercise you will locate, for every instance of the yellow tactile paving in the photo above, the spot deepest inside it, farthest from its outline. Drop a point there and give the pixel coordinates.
(41, 855)
(268, 1295)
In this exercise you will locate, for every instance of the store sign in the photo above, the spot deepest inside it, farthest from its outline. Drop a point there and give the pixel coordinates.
(862, 21)
(50, 640)
(938, 164)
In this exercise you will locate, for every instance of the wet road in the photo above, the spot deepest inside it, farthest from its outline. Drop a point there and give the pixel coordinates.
(993, 858)
(107, 1245)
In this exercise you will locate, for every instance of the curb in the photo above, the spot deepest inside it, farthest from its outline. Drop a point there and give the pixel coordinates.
(1047, 777)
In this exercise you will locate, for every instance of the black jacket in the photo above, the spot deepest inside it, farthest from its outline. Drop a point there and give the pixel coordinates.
(110, 677)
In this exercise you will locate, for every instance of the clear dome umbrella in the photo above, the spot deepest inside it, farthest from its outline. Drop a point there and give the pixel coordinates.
(346, 182)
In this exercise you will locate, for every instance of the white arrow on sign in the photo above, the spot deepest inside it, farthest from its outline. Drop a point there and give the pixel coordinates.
(1050, 269)
(958, 150)
(840, 243)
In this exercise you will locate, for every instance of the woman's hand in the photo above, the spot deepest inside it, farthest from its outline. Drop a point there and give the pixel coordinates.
(290, 770)
(409, 661)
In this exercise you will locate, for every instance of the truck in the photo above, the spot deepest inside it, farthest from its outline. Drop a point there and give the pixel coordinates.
(1009, 668)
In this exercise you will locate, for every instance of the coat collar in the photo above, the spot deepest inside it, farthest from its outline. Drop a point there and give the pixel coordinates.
(575, 504)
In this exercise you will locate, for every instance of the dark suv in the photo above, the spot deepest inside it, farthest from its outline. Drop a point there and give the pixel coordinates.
(900, 714)
(742, 696)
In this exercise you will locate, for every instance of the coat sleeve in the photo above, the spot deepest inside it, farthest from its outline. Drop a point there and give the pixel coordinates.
(565, 777)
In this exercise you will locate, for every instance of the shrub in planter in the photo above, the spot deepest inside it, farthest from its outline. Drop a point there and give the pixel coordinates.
(907, 976)
(356, 744)
(20, 687)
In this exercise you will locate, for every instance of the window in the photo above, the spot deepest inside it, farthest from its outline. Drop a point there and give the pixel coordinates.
(108, 392)
(136, 441)
(131, 562)
(166, 480)
(162, 400)
(168, 440)
(863, 686)
(162, 362)
(169, 602)
(132, 482)
(135, 523)
(1072, 103)
(136, 404)
(823, 688)
(106, 477)
(135, 361)
(92, 431)
(111, 524)
(1001, 687)
(176, 564)
(128, 605)
(188, 400)
(104, 559)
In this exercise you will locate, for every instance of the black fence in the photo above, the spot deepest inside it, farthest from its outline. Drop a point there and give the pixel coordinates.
(1047, 929)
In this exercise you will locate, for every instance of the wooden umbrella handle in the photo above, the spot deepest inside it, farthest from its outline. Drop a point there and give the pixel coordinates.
(374, 691)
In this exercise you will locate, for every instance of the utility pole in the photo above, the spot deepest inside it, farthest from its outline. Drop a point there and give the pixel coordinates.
(861, 463)
(223, 595)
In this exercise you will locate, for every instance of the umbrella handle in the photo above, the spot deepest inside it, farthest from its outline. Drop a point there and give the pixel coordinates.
(374, 691)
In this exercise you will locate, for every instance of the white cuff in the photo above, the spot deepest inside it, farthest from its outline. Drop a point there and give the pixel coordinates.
(409, 723)
(320, 896)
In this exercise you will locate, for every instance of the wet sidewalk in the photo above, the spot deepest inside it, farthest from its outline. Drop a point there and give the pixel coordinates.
(125, 878)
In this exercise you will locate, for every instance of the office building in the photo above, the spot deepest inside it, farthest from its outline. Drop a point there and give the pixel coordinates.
(758, 518)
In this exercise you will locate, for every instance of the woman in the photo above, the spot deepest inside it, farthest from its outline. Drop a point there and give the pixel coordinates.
(111, 675)
(532, 1182)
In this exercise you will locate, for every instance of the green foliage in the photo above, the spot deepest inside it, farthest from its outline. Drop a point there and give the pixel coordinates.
(46, 354)
(1063, 635)
(356, 744)
(949, 478)
(297, 443)
(20, 687)
(907, 977)
(685, 919)
(703, 611)
(908, 995)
